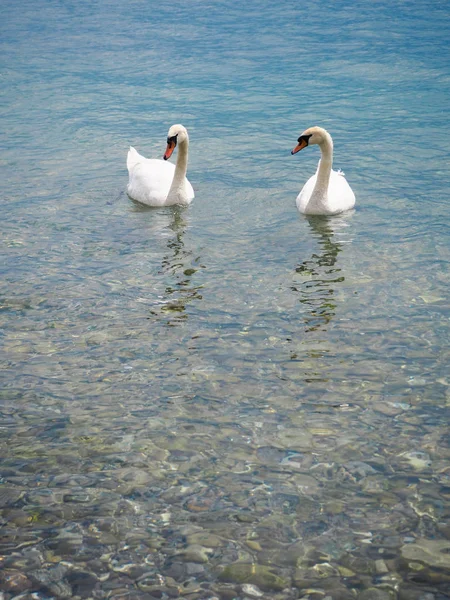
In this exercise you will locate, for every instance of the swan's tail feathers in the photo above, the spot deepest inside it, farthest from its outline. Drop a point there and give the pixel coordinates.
(340, 172)
(133, 158)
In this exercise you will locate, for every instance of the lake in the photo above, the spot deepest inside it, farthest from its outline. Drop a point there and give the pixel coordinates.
(230, 400)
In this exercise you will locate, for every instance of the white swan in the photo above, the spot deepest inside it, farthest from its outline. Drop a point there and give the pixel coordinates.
(158, 183)
(327, 192)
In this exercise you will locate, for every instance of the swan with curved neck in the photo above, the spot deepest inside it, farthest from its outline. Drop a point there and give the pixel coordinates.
(155, 182)
(327, 192)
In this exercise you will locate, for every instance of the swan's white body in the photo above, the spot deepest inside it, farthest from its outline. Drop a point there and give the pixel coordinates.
(155, 182)
(327, 192)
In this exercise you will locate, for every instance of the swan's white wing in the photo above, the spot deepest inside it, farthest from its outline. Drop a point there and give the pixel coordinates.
(133, 157)
(305, 194)
(340, 194)
(150, 180)
(189, 190)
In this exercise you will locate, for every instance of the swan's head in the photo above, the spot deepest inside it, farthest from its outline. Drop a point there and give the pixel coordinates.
(313, 135)
(177, 134)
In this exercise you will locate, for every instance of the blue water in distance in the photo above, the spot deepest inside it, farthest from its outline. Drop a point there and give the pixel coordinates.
(238, 314)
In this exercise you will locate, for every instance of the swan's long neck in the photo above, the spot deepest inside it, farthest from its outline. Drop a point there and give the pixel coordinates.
(179, 177)
(319, 195)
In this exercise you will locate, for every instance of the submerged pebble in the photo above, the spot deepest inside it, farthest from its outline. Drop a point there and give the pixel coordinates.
(14, 581)
(252, 590)
(434, 553)
(259, 575)
(375, 594)
(196, 553)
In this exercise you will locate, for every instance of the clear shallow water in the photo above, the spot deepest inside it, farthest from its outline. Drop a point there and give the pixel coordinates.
(196, 401)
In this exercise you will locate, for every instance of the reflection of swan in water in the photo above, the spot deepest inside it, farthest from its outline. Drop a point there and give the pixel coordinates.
(315, 279)
(181, 265)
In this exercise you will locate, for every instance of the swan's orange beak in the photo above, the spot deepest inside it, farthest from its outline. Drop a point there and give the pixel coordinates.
(302, 144)
(170, 148)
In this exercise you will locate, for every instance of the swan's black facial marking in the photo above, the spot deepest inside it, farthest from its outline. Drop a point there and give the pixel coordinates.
(171, 144)
(304, 138)
(302, 143)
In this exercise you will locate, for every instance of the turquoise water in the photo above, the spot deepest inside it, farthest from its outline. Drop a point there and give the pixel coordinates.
(231, 399)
